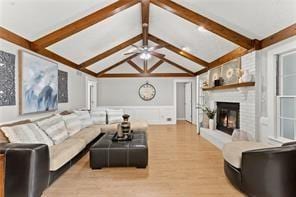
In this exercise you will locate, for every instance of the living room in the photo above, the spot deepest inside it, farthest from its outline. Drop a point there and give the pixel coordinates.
(147, 98)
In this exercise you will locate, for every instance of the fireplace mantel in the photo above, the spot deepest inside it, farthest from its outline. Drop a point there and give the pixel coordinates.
(231, 86)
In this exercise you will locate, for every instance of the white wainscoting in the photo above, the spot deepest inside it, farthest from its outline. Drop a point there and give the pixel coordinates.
(152, 114)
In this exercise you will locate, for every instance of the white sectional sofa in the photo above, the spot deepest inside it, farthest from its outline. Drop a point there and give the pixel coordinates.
(66, 137)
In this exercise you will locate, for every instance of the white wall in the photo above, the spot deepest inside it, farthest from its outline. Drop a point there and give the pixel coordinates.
(266, 89)
(76, 89)
(180, 101)
(123, 93)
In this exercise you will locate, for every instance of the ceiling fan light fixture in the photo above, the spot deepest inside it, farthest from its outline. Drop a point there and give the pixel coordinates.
(145, 56)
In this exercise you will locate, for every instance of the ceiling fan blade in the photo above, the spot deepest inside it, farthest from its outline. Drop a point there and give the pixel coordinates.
(156, 47)
(130, 53)
(157, 54)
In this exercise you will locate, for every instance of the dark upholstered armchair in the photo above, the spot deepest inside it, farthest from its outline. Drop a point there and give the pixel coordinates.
(263, 172)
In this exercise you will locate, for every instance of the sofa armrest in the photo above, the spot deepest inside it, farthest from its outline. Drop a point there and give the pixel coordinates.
(269, 171)
(26, 169)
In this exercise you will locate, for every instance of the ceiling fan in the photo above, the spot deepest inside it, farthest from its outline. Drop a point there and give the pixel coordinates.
(145, 51)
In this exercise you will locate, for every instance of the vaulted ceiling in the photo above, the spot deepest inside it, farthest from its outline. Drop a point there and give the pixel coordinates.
(94, 35)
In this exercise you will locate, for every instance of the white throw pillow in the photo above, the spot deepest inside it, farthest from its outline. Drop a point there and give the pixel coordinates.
(73, 123)
(85, 118)
(26, 133)
(98, 116)
(114, 115)
(55, 128)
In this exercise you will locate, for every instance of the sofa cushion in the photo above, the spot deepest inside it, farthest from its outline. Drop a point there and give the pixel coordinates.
(3, 138)
(73, 123)
(136, 125)
(26, 133)
(84, 117)
(232, 152)
(55, 128)
(99, 116)
(88, 134)
(114, 115)
(61, 153)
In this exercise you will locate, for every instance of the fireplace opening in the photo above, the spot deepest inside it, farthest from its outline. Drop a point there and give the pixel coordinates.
(227, 117)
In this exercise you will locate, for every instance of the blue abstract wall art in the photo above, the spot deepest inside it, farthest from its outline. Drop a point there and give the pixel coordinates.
(39, 84)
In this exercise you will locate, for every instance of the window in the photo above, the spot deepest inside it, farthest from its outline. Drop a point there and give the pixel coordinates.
(286, 95)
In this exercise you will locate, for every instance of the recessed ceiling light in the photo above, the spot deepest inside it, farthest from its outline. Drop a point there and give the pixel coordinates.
(187, 49)
(202, 29)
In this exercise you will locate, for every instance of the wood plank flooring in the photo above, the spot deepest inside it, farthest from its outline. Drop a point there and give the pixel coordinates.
(181, 163)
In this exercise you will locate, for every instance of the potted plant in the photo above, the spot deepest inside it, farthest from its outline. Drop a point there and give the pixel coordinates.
(210, 113)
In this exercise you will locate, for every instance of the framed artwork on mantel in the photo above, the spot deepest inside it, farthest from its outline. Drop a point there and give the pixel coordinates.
(230, 71)
(38, 84)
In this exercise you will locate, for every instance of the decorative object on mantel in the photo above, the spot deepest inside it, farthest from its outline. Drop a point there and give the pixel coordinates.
(147, 91)
(219, 82)
(210, 113)
(7, 79)
(246, 77)
(231, 86)
(240, 135)
(38, 84)
(230, 71)
(63, 87)
(205, 84)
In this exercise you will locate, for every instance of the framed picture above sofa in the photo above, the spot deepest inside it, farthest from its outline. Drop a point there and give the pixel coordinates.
(38, 79)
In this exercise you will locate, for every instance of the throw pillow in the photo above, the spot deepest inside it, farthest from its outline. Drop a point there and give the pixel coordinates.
(98, 116)
(85, 118)
(73, 123)
(26, 133)
(3, 138)
(55, 128)
(115, 116)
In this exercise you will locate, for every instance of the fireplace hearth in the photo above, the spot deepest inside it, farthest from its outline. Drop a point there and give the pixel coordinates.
(227, 117)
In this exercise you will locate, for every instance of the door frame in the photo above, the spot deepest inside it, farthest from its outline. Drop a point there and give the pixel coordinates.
(175, 96)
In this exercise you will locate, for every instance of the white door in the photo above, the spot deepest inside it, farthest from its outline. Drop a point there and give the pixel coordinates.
(188, 102)
(91, 95)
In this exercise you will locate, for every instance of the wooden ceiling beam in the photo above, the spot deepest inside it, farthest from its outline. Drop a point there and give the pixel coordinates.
(178, 51)
(135, 66)
(110, 51)
(129, 75)
(155, 66)
(174, 64)
(116, 65)
(145, 4)
(83, 23)
(279, 36)
(22, 42)
(206, 23)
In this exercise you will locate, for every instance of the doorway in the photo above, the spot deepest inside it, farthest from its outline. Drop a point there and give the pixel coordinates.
(184, 101)
(91, 95)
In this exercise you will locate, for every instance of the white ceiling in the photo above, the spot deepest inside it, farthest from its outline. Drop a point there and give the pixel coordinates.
(33, 19)
(101, 36)
(123, 68)
(255, 19)
(181, 33)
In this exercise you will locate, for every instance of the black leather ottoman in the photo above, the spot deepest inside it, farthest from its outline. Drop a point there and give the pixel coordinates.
(106, 153)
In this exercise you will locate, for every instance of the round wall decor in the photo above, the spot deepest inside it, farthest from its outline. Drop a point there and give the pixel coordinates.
(147, 91)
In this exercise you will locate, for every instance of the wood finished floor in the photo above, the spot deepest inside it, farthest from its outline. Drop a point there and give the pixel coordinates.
(181, 163)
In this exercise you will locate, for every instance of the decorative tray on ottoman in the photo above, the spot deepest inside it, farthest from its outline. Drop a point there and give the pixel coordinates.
(126, 137)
